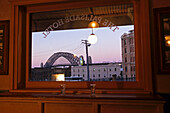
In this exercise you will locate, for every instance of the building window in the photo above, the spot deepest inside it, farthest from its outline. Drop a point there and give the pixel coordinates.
(124, 41)
(125, 68)
(125, 50)
(134, 68)
(99, 75)
(131, 49)
(93, 69)
(115, 69)
(131, 40)
(110, 69)
(125, 59)
(131, 68)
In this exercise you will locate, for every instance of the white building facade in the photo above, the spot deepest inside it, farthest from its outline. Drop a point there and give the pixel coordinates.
(98, 72)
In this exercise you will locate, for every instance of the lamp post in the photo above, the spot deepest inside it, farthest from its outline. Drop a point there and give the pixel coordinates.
(87, 57)
(92, 39)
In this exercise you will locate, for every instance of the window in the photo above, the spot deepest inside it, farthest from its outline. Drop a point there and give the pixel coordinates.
(24, 50)
(124, 41)
(131, 41)
(99, 75)
(125, 50)
(125, 59)
(126, 69)
(132, 49)
(72, 25)
(131, 68)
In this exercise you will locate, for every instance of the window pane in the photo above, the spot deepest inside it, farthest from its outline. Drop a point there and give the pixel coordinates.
(62, 50)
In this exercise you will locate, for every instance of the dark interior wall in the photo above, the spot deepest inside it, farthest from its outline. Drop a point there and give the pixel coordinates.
(163, 80)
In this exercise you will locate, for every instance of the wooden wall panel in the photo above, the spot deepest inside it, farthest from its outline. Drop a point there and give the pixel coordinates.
(4, 82)
(5, 10)
(128, 109)
(16, 107)
(163, 83)
(68, 108)
(5, 14)
(161, 3)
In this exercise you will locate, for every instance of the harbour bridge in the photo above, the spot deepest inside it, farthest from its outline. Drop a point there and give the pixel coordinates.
(74, 60)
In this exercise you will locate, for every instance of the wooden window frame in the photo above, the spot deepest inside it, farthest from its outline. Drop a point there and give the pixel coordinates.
(20, 45)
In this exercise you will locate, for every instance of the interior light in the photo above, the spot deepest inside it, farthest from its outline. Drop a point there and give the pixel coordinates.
(167, 40)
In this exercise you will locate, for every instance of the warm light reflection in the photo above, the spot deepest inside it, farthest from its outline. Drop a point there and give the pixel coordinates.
(58, 77)
(93, 24)
(75, 55)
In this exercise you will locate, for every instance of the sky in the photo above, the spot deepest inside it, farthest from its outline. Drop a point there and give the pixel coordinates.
(107, 48)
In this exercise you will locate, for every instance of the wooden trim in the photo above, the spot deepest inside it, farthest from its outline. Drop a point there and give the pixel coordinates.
(81, 91)
(70, 5)
(5, 47)
(16, 10)
(11, 50)
(146, 44)
(27, 48)
(45, 2)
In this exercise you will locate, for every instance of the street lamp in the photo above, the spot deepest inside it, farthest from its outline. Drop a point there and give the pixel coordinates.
(92, 39)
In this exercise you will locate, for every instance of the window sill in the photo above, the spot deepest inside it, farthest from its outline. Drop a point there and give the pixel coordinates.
(82, 96)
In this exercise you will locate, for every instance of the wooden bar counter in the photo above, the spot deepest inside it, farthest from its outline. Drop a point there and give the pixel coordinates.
(77, 102)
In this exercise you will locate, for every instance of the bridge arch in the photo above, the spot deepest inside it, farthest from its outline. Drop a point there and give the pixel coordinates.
(74, 60)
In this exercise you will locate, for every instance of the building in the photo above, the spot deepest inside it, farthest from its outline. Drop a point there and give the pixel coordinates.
(128, 55)
(98, 72)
